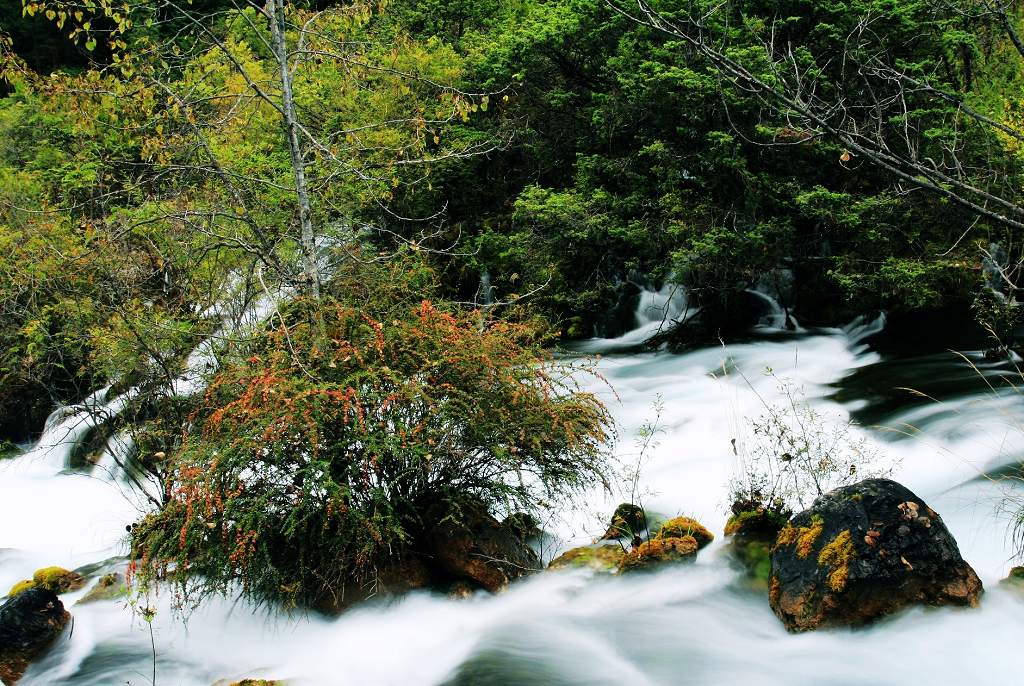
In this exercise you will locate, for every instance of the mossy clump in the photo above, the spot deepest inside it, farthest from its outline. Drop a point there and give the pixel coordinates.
(681, 527)
(627, 520)
(803, 537)
(759, 522)
(58, 579)
(601, 558)
(838, 555)
(660, 551)
(20, 587)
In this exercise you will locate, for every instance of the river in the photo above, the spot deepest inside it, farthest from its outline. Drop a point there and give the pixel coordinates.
(692, 624)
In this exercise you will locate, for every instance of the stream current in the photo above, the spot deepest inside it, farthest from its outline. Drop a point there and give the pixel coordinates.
(952, 440)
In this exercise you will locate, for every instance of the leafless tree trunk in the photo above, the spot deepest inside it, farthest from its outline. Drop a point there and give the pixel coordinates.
(276, 19)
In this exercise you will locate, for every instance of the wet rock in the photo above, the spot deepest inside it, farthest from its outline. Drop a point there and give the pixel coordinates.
(680, 527)
(605, 557)
(658, 552)
(251, 682)
(461, 590)
(628, 520)
(825, 572)
(400, 576)
(107, 587)
(481, 550)
(523, 524)
(30, 621)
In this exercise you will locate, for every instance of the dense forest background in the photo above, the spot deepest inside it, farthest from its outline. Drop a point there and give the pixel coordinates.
(522, 163)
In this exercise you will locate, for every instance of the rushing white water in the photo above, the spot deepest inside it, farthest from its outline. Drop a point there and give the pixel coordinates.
(694, 624)
(656, 311)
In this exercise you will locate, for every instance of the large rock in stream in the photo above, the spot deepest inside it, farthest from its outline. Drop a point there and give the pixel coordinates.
(862, 552)
(29, 622)
(481, 550)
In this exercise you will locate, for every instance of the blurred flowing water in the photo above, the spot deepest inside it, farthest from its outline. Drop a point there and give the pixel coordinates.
(953, 435)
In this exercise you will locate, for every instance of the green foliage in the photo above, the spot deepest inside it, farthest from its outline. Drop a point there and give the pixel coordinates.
(354, 427)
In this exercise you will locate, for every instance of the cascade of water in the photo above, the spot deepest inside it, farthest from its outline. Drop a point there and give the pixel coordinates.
(656, 311)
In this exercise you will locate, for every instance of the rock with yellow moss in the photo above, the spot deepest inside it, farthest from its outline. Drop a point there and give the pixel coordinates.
(680, 527)
(55, 579)
(862, 552)
(658, 552)
(600, 558)
(250, 682)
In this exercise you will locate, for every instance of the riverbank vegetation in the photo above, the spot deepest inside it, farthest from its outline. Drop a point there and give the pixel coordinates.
(322, 245)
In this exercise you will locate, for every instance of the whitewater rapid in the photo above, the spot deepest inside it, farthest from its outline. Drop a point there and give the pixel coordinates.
(695, 624)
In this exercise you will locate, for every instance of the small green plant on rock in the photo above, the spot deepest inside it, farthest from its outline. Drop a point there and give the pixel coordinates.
(790, 455)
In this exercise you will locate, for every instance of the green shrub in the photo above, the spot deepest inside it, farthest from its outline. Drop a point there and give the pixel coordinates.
(354, 427)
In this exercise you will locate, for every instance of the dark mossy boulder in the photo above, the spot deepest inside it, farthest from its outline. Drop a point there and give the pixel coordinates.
(107, 587)
(862, 552)
(659, 552)
(601, 557)
(30, 621)
(628, 520)
(680, 527)
(481, 550)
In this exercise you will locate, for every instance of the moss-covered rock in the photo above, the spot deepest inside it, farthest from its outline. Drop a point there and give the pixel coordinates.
(757, 522)
(862, 552)
(601, 557)
(58, 579)
(680, 527)
(107, 587)
(55, 579)
(20, 587)
(251, 682)
(628, 520)
(658, 552)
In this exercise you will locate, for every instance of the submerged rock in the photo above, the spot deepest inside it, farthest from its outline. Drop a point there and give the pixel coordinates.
(29, 622)
(751, 532)
(658, 552)
(680, 527)
(603, 557)
(483, 551)
(1015, 579)
(107, 587)
(628, 520)
(862, 552)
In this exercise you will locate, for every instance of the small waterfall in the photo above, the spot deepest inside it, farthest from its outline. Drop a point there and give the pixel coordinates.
(862, 328)
(486, 290)
(663, 307)
(656, 311)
